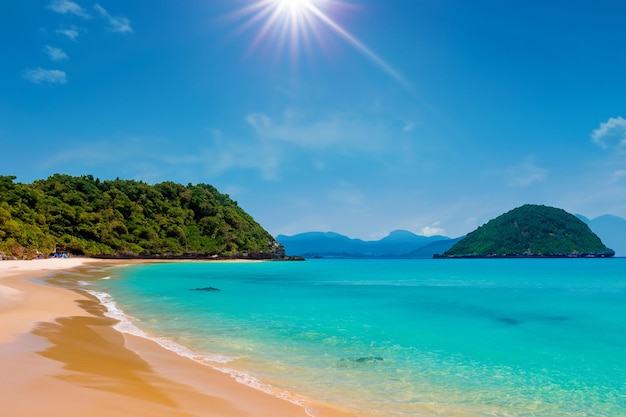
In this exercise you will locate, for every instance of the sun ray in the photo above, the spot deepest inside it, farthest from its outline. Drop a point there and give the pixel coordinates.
(359, 46)
(296, 22)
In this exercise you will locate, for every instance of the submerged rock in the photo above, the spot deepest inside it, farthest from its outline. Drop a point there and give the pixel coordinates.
(366, 359)
(359, 361)
(206, 289)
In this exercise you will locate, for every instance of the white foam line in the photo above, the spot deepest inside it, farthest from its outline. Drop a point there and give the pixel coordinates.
(253, 382)
(125, 325)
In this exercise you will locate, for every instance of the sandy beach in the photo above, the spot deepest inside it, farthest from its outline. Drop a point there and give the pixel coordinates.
(61, 356)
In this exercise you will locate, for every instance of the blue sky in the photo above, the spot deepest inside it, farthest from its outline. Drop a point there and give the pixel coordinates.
(356, 116)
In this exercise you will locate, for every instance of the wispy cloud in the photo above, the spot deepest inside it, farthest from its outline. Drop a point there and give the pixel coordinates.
(611, 133)
(118, 24)
(618, 175)
(227, 154)
(292, 140)
(55, 54)
(67, 6)
(41, 76)
(337, 130)
(71, 33)
(259, 121)
(526, 174)
(408, 127)
(346, 194)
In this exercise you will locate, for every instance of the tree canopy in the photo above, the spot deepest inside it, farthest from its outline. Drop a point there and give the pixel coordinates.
(531, 231)
(90, 217)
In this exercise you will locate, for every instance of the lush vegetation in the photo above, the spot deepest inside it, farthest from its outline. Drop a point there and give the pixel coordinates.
(531, 230)
(125, 218)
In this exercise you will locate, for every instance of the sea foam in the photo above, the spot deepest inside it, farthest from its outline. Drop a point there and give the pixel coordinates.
(125, 325)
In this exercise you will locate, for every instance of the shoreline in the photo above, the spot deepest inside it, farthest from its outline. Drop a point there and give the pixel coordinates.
(58, 346)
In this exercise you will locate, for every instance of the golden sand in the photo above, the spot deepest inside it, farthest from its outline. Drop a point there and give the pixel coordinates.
(60, 356)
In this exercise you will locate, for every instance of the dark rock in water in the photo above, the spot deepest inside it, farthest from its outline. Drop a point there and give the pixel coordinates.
(206, 289)
(510, 321)
(554, 320)
(359, 361)
(366, 359)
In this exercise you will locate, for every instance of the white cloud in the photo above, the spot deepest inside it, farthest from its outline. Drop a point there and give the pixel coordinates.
(71, 33)
(432, 230)
(526, 174)
(67, 6)
(55, 54)
(118, 24)
(611, 133)
(40, 76)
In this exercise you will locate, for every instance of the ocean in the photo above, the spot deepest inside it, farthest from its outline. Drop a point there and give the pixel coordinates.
(450, 337)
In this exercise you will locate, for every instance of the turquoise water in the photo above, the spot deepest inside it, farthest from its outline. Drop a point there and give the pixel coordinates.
(527, 337)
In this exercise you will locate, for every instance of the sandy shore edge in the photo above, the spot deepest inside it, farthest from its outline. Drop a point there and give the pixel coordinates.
(60, 356)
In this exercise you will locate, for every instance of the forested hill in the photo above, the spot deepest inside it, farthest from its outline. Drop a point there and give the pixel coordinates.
(90, 217)
(531, 231)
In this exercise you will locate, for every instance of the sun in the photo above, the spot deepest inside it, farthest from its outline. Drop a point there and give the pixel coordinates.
(294, 7)
(294, 26)
(289, 26)
(298, 16)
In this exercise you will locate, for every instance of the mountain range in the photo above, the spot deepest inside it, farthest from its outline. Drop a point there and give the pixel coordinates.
(398, 244)
(404, 244)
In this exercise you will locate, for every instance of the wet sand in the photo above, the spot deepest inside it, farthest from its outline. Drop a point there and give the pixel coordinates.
(60, 356)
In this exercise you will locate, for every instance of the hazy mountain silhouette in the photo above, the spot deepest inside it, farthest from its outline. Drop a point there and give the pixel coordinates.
(398, 244)
(610, 229)
(404, 244)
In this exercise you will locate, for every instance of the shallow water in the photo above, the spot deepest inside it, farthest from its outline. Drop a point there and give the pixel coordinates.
(475, 337)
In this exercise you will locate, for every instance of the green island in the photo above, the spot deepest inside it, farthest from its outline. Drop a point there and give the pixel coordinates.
(125, 219)
(531, 231)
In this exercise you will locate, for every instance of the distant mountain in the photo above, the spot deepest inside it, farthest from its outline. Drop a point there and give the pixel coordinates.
(611, 229)
(399, 243)
(320, 243)
(531, 231)
(428, 251)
